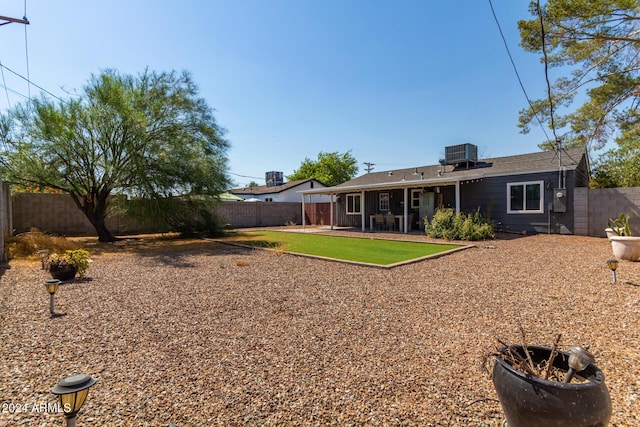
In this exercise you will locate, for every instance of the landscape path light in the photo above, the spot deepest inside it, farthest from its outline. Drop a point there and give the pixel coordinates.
(73, 392)
(52, 287)
(613, 266)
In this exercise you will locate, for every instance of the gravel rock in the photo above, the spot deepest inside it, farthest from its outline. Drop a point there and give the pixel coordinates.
(218, 335)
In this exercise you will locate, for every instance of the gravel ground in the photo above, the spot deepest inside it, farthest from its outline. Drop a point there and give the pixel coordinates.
(212, 334)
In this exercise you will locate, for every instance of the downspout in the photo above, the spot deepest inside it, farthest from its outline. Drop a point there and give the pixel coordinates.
(458, 196)
(559, 165)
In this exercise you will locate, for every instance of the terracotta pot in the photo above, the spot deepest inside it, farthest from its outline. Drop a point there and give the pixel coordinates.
(626, 247)
(531, 401)
(65, 272)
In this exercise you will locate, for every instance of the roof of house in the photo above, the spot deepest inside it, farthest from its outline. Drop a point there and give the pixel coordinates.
(543, 161)
(228, 197)
(263, 189)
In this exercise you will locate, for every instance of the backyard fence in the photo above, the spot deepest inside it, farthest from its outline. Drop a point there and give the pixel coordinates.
(56, 213)
(5, 217)
(594, 207)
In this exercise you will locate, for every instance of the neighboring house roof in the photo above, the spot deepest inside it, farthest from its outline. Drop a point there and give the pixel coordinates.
(263, 189)
(543, 161)
(228, 197)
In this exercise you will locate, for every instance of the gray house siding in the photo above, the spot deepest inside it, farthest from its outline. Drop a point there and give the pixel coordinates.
(490, 195)
(581, 173)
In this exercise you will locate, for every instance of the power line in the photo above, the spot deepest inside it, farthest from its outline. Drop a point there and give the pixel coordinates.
(515, 69)
(246, 176)
(4, 84)
(31, 83)
(15, 92)
(546, 74)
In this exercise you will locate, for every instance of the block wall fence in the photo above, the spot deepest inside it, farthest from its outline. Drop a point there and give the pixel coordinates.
(56, 213)
(594, 207)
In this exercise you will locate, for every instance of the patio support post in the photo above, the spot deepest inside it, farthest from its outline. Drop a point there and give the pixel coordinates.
(406, 210)
(331, 209)
(458, 196)
(303, 219)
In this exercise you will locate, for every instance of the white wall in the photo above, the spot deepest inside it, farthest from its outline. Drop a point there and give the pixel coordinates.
(292, 195)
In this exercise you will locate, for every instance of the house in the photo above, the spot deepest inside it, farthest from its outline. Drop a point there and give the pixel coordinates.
(528, 193)
(283, 191)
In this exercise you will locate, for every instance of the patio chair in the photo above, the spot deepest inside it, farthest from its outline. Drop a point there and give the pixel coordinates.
(379, 221)
(390, 222)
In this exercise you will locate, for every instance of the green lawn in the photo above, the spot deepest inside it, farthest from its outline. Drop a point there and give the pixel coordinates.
(372, 251)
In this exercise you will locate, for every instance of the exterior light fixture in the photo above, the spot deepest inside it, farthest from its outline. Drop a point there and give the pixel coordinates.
(52, 287)
(613, 266)
(73, 392)
(579, 359)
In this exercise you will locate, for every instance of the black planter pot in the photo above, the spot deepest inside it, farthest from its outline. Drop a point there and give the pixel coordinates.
(531, 401)
(65, 272)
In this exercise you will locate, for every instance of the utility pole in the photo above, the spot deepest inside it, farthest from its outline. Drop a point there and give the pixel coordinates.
(4, 20)
(369, 167)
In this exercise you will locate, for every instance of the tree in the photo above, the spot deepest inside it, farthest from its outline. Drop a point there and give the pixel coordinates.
(330, 168)
(619, 167)
(598, 43)
(253, 184)
(147, 136)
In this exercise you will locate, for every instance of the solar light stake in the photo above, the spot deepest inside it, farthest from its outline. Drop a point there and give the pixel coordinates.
(73, 392)
(52, 287)
(613, 265)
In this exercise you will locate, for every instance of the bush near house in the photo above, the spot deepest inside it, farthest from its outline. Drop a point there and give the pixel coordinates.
(451, 226)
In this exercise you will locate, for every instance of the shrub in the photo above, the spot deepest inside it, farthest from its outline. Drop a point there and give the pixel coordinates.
(29, 243)
(79, 258)
(451, 226)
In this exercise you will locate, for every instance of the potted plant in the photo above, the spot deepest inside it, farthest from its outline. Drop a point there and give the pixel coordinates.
(619, 226)
(623, 243)
(542, 386)
(65, 266)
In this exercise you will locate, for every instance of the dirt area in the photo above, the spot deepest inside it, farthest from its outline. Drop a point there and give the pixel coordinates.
(198, 333)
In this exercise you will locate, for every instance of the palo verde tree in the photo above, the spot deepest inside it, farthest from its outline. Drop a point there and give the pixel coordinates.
(147, 136)
(596, 46)
(330, 168)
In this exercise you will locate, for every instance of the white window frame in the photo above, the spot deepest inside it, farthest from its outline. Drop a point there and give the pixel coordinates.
(350, 201)
(383, 199)
(524, 209)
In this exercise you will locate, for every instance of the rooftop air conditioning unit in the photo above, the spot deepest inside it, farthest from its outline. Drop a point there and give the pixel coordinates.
(463, 153)
(274, 178)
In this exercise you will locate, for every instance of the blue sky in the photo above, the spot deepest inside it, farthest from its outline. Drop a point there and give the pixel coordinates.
(392, 81)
